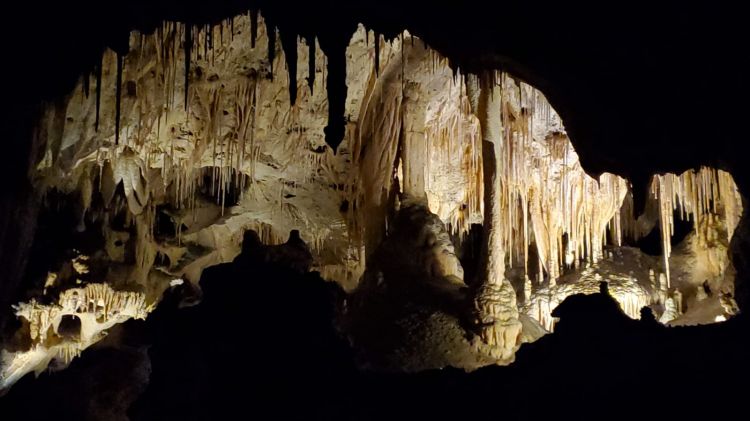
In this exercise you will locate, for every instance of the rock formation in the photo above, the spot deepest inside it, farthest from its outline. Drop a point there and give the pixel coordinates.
(92, 309)
(200, 133)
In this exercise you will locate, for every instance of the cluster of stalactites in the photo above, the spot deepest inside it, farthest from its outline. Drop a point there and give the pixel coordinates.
(229, 113)
(696, 194)
(97, 306)
(545, 194)
(228, 140)
(455, 140)
(171, 116)
(98, 299)
(189, 119)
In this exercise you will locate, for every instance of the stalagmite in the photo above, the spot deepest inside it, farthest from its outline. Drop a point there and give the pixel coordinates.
(670, 311)
(527, 290)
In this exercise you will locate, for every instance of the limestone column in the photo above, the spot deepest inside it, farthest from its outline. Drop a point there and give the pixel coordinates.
(414, 150)
(414, 144)
(498, 327)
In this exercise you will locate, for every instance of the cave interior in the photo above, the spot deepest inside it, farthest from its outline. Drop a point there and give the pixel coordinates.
(373, 210)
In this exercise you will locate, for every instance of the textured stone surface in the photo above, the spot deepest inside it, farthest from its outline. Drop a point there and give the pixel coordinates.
(195, 136)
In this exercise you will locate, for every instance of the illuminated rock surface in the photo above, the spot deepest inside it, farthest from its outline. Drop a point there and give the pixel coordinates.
(94, 309)
(208, 136)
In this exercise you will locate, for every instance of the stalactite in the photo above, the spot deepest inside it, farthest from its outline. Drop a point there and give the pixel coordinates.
(377, 54)
(374, 157)
(289, 45)
(206, 41)
(311, 64)
(211, 41)
(705, 192)
(729, 196)
(553, 200)
(236, 134)
(86, 84)
(118, 98)
(253, 27)
(271, 33)
(98, 90)
(187, 48)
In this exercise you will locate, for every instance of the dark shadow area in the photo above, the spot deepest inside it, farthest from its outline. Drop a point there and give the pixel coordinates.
(632, 86)
(470, 251)
(99, 386)
(651, 243)
(222, 187)
(263, 345)
(638, 89)
(262, 338)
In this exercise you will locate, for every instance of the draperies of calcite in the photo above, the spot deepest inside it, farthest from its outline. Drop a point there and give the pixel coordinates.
(196, 109)
(697, 194)
(97, 307)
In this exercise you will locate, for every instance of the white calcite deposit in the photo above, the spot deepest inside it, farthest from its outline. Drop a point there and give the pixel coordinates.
(198, 127)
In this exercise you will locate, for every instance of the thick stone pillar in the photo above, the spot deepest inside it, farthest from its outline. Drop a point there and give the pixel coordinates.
(498, 326)
(414, 151)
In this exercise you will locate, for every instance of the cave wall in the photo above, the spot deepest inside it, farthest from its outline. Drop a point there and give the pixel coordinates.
(205, 136)
(597, 83)
(301, 137)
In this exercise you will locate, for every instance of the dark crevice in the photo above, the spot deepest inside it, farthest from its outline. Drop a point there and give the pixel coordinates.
(118, 98)
(311, 64)
(253, 27)
(188, 44)
(271, 45)
(98, 90)
(289, 45)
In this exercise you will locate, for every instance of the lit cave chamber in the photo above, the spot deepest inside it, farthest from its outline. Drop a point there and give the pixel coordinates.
(450, 223)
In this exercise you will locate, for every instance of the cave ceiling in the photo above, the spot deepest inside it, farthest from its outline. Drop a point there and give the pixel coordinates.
(623, 76)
